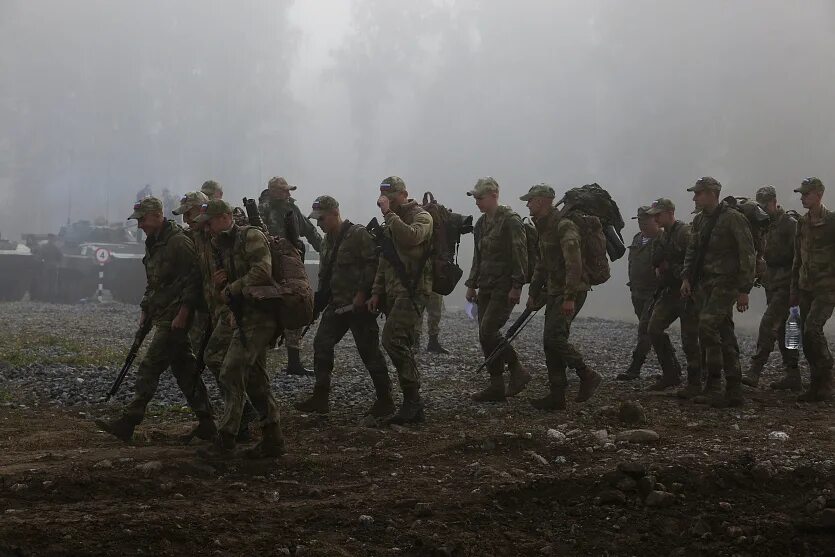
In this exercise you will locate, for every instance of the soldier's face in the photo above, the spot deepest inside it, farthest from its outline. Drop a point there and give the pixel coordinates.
(648, 226)
(190, 215)
(328, 222)
(279, 193)
(705, 199)
(150, 223)
(664, 219)
(538, 206)
(220, 223)
(811, 199)
(487, 202)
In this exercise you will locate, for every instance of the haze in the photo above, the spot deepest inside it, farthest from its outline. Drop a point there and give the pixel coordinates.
(98, 98)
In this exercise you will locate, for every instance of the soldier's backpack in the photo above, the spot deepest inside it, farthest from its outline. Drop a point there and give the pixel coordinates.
(757, 218)
(443, 251)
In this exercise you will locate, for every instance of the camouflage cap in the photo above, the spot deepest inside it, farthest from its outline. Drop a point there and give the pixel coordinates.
(706, 183)
(810, 184)
(147, 206)
(643, 212)
(766, 194)
(323, 204)
(211, 188)
(279, 183)
(189, 201)
(485, 185)
(213, 208)
(661, 205)
(392, 185)
(539, 190)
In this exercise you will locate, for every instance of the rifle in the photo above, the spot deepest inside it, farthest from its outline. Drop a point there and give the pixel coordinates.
(140, 335)
(253, 215)
(511, 333)
(386, 249)
(235, 303)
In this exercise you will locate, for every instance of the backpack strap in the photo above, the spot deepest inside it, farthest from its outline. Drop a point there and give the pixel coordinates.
(428, 198)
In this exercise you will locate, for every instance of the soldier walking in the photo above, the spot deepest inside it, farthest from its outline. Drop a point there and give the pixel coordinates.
(813, 285)
(172, 293)
(560, 284)
(718, 272)
(404, 278)
(499, 269)
(346, 274)
(434, 312)
(776, 279)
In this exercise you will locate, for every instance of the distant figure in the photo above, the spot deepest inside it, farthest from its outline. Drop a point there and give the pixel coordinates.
(170, 203)
(212, 189)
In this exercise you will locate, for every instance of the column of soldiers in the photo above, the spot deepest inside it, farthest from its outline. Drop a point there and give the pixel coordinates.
(696, 273)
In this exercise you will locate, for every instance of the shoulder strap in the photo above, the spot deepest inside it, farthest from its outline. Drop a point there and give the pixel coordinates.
(428, 198)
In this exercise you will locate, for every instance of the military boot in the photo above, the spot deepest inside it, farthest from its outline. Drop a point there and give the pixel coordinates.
(384, 405)
(494, 392)
(664, 382)
(411, 411)
(791, 381)
(294, 363)
(694, 385)
(733, 395)
(519, 378)
(222, 447)
(318, 401)
(820, 388)
(632, 372)
(435, 347)
(752, 376)
(271, 444)
(205, 430)
(589, 382)
(553, 401)
(121, 428)
(711, 390)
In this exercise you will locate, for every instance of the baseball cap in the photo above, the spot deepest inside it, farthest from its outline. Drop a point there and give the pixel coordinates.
(484, 186)
(660, 205)
(392, 185)
(191, 200)
(810, 184)
(766, 194)
(213, 208)
(643, 212)
(321, 205)
(146, 206)
(279, 183)
(539, 190)
(211, 188)
(706, 183)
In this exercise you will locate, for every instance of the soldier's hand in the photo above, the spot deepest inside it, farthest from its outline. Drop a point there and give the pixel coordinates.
(359, 301)
(742, 302)
(568, 308)
(374, 303)
(514, 295)
(384, 204)
(685, 289)
(219, 278)
(181, 319)
(471, 295)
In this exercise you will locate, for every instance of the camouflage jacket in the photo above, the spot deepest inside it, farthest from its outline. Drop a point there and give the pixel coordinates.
(669, 248)
(779, 251)
(410, 228)
(246, 258)
(273, 213)
(641, 271)
(354, 267)
(814, 254)
(730, 256)
(173, 277)
(560, 267)
(500, 257)
(206, 262)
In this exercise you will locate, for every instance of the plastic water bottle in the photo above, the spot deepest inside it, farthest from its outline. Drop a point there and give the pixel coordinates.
(793, 329)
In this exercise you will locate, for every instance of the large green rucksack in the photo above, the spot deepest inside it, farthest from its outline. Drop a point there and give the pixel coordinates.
(757, 218)
(447, 228)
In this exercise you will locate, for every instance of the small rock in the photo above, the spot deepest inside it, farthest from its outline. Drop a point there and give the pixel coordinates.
(538, 457)
(103, 464)
(781, 436)
(735, 427)
(18, 487)
(612, 497)
(646, 485)
(763, 470)
(632, 413)
(600, 436)
(556, 436)
(725, 506)
(638, 436)
(560, 460)
(48, 483)
(627, 484)
(149, 468)
(634, 469)
(660, 499)
(366, 521)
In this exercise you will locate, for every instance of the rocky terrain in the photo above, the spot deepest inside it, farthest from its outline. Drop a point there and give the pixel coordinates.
(631, 472)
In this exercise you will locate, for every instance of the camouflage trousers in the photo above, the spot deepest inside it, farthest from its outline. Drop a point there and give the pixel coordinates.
(642, 305)
(293, 338)
(366, 333)
(669, 307)
(398, 339)
(493, 312)
(169, 348)
(715, 302)
(434, 312)
(773, 328)
(815, 311)
(559, 353)
(244, 372)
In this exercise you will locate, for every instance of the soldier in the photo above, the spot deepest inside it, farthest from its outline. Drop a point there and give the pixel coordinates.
(213, 316)
(560, 284)
(247, 262)
(434, 312)
(718, 271)
(168, 200)
(499, 269)
(405, 285)
(171, 295)
(668, 254)
(212, 189)
(346, 274)
(776, 278)
(643, 284)
(813, 285)
(276, 209)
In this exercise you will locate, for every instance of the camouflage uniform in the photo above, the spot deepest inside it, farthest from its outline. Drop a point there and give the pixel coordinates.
(173, 281)
(434, 312)
(727, 271)
(500, 263)
(410, 229)
(776, 279)
(559, 276)
(813, 284)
